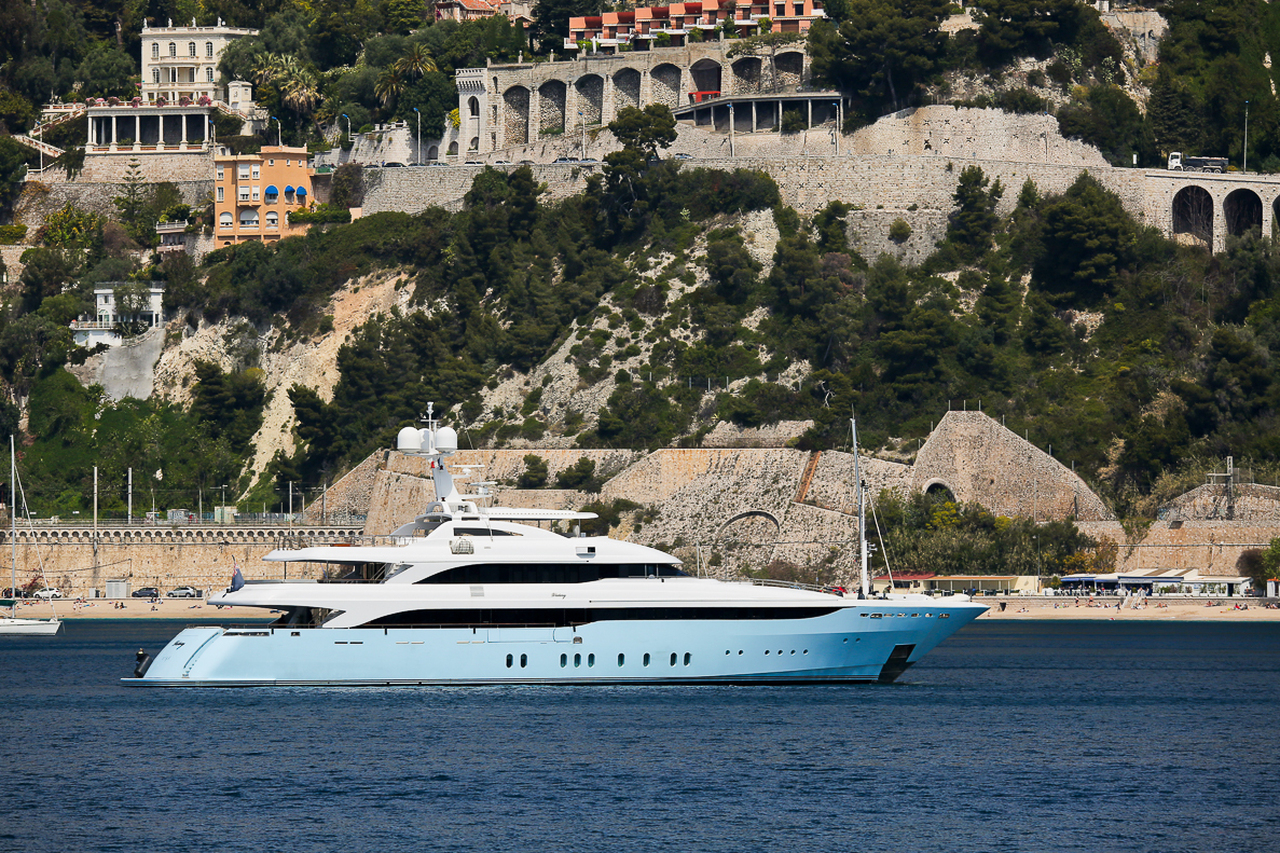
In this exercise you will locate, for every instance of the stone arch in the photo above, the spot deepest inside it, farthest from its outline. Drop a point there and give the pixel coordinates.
(1242, 211)
(938, 488)
(474, 144)
(706, 75)
(433, 153)
(590, 89)
(1193, 215)
(453, 148)
(666, 84)
(788, 68)
(626, 89)
(551, 98)
(750, 526)
(516, 131)
(747, 74)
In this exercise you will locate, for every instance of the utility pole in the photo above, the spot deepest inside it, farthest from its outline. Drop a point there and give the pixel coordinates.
(1246, 137)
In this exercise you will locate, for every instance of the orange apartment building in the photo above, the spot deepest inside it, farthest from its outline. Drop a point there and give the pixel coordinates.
(254, 193)
(639, 28)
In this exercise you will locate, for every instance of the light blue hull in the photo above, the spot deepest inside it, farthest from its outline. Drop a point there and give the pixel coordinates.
(872, 641)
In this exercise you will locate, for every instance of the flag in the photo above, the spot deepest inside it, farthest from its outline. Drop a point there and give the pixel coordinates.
(237, 579)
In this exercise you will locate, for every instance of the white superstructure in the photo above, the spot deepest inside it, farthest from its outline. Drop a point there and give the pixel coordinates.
(465, 594)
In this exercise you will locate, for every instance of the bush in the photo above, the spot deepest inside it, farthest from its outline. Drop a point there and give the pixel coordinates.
(11, 235)
(321, 214)
(899, 231)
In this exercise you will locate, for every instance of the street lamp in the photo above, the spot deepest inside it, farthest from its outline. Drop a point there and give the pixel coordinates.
(279, 132)
(417, 154)
(1246, 137)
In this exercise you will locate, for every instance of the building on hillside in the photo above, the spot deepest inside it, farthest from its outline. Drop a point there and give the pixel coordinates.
(253, 194)
(182, 62)
(519, 11)
(652, 26)
(100, 327)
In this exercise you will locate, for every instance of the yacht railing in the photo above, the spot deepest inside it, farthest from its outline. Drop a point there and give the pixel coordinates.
(773, 582)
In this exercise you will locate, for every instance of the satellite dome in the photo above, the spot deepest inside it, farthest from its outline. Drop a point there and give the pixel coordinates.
(409, 440)
(446, 440)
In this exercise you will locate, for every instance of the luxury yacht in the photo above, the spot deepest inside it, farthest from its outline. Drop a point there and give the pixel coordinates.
(467, 594)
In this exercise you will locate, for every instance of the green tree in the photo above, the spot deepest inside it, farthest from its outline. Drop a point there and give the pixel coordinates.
(106, 71)
(551, 20)
(132, 202)
(881, 51)
(534, 475)
(131, 299)
(1088, 238)
(1173, 114)
(645, 131)
(970, 227)
(1009, 28)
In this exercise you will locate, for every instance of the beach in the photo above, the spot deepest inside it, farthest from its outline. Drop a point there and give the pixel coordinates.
(1025, 607)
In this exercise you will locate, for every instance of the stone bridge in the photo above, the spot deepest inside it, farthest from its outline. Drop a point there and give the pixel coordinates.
(1206, 208)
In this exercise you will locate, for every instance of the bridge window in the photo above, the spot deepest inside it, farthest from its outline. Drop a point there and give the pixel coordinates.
(1243, 212)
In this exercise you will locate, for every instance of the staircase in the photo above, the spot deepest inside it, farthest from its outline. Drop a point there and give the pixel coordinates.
(39, 145)
(807, 478)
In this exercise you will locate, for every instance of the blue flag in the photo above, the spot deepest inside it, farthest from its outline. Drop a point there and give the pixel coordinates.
(237, 579)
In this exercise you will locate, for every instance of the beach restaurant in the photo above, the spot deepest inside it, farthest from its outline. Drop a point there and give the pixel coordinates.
(1157, 582)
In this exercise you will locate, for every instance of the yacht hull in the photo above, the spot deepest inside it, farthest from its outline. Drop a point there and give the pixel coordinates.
(866, 641)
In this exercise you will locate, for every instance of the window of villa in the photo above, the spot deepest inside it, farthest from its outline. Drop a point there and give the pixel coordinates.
(226, 220)
(249, 218)
(244, 171)
(155, 50)
(257, 171)
(155, 75)
(273, 219)
(208, 73)
(220, 194)
(222, 173)
(173, 49)
(208, 48)
(191, 49)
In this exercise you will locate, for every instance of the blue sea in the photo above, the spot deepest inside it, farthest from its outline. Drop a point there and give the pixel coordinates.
(1017, 736)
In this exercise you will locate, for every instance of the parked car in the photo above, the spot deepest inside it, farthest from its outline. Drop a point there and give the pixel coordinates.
(474, 163)
(47, 593)
(565, 160)
(15, 593)
(183, 592)
(146, 592)
(437, 163)
(502, 162)
(680, 155)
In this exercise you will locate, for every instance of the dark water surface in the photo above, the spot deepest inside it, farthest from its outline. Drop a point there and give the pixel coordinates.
(1012, 736)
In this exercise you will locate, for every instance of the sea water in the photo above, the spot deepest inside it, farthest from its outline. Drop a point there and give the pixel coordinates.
(1050, 736)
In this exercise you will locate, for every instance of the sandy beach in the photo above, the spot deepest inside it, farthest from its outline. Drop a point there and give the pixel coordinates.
(1183, 610)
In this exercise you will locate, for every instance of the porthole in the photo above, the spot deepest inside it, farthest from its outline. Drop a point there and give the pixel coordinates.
(688, 658)
(591, 660)
(726, 651)
(508, 661)
(577, 660)
(739, 652)
(806, 651)
(845, 640)
(646, 658)
(673, 658)
(766, 652)
(793, 651)
(524, 661)
(622, 659)
(779, 652)
(564, 661)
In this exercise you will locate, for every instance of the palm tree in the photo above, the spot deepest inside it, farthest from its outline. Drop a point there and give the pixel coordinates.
(390, 85)
(299, 86)
(266, 68)
(416, 62)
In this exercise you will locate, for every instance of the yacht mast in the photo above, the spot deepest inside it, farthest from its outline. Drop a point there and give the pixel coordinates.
(864, 576)
(13, 533)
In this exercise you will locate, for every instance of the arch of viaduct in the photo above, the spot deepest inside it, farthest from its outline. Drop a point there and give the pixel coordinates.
(508, 105)
(1205, 208)
(161, 535)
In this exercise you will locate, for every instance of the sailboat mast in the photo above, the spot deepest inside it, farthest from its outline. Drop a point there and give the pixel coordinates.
(13, 531)
(864, 576)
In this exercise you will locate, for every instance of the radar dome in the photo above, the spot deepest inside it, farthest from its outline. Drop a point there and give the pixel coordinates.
(446, 440)
(409, 440)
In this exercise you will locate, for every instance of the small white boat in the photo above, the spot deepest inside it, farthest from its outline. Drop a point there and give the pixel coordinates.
(29, 627)
(13, 624)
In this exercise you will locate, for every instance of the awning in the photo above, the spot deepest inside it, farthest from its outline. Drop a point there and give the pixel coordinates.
(271, 190)
(288, 190)
(302, 190)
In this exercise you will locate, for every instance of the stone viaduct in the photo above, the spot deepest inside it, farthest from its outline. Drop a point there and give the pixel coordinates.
(502, 106)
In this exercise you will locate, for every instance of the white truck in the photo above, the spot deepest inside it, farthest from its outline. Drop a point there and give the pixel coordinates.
(1178, 163)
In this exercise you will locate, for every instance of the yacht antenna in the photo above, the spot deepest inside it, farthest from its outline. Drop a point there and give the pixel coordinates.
(864, 578)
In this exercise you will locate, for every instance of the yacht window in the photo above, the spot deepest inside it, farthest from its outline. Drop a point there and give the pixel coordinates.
(622, 659)
(482, 531)
(564, 661)
(688, 658)
(558, 573)
(591, 660)
(646, 658)
(577, 660)
(673, 658)
(569, 617)
(524, 661)
(508, 661)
